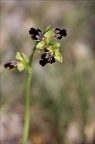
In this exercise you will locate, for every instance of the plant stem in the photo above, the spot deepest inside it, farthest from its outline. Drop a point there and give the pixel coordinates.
(27, 99)
(27, 109)
(32, 54)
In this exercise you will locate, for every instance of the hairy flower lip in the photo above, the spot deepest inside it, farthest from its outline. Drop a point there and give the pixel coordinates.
(11, 65)
(43, 62)
(36, 34)
(60, 32)
(46, 58)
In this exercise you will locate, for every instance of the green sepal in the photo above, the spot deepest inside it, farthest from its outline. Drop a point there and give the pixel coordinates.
(58, 55)
(20, 66)
(53, 46)
(22, 57)
(56, 44)
(49, 33)
(47, 40)
(23, 61)
(50, 48)
(47, 28)
(19, 56)
(40, 45)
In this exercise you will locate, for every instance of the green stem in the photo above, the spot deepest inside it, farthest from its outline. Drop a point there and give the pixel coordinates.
(27, 109)
(27, 100)
(32, 54)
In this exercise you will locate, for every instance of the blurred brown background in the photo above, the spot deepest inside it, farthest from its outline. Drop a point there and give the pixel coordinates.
(62, 95)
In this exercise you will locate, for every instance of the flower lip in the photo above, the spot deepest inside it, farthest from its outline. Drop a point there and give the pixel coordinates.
(43, 62)
(36, 34)
(47, 57)
(11, 65)
(60, 32)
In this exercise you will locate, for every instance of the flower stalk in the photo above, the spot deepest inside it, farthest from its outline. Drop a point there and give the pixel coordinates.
(27, 99)
(27, 109)
(31, 56)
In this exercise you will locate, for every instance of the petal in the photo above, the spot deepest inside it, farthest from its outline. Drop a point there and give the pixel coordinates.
(32, 31)
(7, 64)
(33, 37)
(38, 37)
(59, 37)
(63, 32)
(43, 56)
(11, 65)
(42, 62)
(39, 30)
(53, 60)
(57, 30)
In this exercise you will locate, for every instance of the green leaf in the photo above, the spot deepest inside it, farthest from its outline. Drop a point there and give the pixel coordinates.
(40, 45)
(49, 33)
(58, 55)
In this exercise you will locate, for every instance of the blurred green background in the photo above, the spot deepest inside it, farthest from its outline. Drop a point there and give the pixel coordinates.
(62, 94)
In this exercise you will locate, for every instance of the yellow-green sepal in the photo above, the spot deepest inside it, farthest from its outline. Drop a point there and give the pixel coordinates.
(49, 33)
(58, 56)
